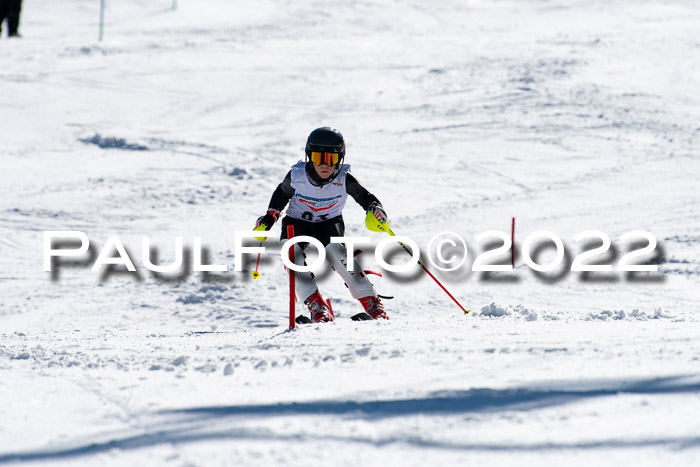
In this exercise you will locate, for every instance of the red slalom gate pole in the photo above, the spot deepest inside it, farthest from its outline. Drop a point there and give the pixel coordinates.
(292, 292)
(512, 243)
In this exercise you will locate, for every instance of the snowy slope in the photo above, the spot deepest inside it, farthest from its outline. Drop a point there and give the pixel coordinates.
(567, 115)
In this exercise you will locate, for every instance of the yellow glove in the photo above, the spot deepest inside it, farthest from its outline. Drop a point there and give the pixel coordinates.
(377, 220)
(266, 222)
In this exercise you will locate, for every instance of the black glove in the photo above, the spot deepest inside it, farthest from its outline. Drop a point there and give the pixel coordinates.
(378, 212)
(268, 220)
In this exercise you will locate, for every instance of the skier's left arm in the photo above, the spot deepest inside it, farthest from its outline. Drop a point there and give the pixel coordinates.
(364, 198)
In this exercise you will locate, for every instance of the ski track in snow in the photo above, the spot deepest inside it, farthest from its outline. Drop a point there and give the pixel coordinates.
(568, 115)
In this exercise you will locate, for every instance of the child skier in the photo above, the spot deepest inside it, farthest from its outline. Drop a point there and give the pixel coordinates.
(316, 190)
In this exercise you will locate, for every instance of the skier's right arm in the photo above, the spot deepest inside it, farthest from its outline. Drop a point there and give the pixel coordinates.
(281, 196)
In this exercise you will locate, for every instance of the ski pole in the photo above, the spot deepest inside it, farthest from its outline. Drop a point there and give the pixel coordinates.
(256, 274)
(408, 250)
(261, 227)
(376, 226)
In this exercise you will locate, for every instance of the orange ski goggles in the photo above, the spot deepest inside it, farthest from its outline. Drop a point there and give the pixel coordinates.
(328, 158)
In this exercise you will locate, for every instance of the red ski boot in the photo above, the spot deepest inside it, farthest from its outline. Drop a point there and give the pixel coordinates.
(320, 309)
(373, 307)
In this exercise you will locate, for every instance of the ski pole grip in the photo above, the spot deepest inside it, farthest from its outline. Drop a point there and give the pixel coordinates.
(292, 293)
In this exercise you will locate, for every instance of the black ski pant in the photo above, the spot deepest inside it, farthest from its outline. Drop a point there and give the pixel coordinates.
(10, 10)
(322, 231)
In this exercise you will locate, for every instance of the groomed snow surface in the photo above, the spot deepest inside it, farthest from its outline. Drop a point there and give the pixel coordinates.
(569, 115)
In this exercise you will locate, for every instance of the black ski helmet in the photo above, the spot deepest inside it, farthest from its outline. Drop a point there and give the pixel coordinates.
(326, 139)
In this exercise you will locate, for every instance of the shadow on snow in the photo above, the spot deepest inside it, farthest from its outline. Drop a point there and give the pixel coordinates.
(193, 424)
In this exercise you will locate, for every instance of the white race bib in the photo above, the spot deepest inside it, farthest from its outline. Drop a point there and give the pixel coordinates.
(317, 204)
